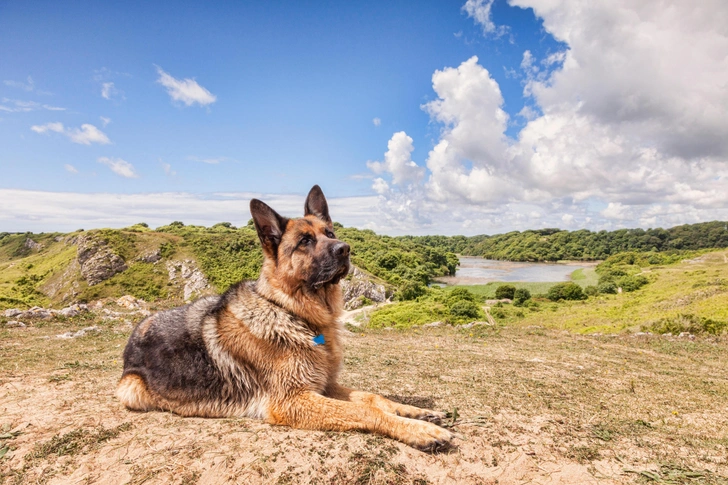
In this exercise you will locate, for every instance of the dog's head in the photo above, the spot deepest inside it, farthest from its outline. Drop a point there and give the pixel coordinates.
(305, 251)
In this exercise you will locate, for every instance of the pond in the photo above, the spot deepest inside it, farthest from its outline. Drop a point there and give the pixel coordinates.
(474, 270)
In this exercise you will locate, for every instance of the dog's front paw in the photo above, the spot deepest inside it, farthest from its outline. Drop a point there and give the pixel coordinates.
(429, 437)
(421, 414)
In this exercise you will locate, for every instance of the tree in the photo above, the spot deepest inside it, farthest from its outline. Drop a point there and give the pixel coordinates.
(566, 291)
(521, 296)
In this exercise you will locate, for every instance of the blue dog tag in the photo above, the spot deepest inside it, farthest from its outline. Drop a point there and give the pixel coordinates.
(319, 339)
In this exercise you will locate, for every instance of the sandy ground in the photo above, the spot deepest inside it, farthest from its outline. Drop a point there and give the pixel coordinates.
(532, 406)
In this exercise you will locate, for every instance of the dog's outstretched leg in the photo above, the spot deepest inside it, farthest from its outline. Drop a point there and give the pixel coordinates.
(308, 410)
(384, 404)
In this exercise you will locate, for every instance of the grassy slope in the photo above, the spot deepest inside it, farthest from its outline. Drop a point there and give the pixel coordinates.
(697, 287)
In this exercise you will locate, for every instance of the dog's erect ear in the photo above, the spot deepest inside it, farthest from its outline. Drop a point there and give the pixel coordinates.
(269, 224)
(316, 205)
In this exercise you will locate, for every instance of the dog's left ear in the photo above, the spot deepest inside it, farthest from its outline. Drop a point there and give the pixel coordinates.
(316, 205)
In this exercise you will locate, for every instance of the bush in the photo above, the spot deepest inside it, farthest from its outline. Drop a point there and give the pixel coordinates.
(632, 283)
(608, 288)
(521, 296)
(460, 294)
(410, 290)
(566, 291)
(505, 291)
(687, 323)
(465, 309)
(591, 290)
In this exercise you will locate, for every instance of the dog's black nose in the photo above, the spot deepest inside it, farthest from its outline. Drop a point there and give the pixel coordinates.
(340, 250)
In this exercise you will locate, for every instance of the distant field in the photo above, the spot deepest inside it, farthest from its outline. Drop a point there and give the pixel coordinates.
(585, 277)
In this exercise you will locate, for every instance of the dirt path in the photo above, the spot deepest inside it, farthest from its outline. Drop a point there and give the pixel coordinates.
(533, 406)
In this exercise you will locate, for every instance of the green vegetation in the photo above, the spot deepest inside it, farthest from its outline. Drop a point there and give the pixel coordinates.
(505, 291)
(685, 295)
(521, 296)
(454, 307)
(583, 245)
(566, 291)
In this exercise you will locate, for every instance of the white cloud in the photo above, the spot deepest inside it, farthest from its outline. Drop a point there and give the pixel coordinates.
(107, 90)
(210, 160)
(625, 127)
(119, 167)
(56, 127)
(20, 106)
(104, 120)
(377, 122)
(26, 210)
(70, 168)
(398, 161)
(168, 169)
(187, 90)
(85, 135)
(479, 11)
(25, 86)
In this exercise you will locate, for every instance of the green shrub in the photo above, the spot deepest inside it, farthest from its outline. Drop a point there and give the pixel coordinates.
(466, 309)
(521, 296)
(566, 291)
(687, 323)
(505, 291)
(632, 283)
(608, 288)
(591, 290)
(410, 290)
(460, 294)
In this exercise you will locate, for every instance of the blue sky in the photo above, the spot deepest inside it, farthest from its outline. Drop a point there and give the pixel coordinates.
(115, 105)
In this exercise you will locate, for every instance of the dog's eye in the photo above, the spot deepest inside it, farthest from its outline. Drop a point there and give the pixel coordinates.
(330, 234)
(306, 240)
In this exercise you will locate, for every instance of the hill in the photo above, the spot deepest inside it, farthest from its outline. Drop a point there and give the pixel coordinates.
(583, 245)
(177, 262)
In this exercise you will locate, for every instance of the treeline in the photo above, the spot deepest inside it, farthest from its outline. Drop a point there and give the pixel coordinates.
(582, 245)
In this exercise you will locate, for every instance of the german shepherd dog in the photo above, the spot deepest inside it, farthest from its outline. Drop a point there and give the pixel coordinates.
(268, 349)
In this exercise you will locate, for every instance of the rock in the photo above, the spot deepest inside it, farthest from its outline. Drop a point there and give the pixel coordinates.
(98, 262)
(194, 280)
(129, 302)
(15, 323)
(433, 324)
(80, 333)
(73, 310)
(151, 256)
(472, 324)
(30, 244)
(36, 312)
(358, 285)
(12, 312)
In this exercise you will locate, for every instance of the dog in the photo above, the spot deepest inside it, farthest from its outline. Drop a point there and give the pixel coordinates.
(269, 349)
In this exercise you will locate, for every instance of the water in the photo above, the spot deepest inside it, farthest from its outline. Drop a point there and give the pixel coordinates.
(474, 270)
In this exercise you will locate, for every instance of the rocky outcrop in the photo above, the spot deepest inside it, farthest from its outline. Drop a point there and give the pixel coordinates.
(30, 244)
(359, 285)
(186, 272)
(151, 257)
(98, 261)
(37, 312)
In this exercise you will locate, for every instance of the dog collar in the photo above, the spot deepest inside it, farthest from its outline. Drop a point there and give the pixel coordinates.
(319, 339)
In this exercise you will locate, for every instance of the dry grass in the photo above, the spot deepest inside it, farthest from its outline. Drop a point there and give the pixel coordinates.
(532, 406)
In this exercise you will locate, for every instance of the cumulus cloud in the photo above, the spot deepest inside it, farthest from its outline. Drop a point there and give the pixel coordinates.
(26, 210)
(119, 167)
(398, 161)
(85, 135)
(625, 127)
(187, 91)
